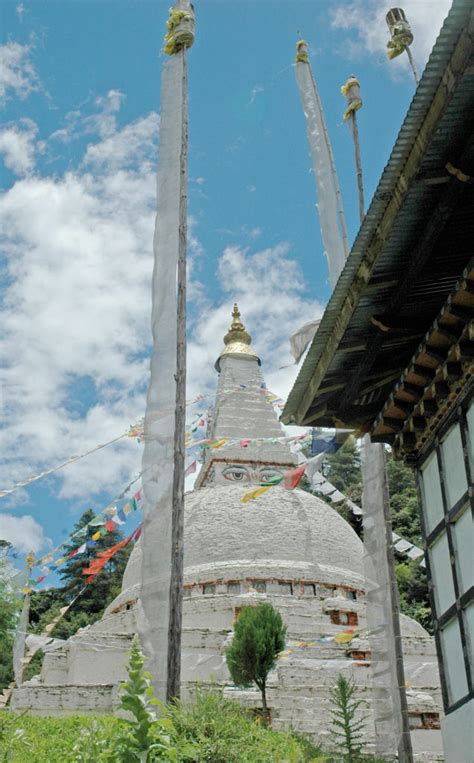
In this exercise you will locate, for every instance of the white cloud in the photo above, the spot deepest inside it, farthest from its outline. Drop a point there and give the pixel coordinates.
(120, 148)
(76, 312)
(25, 533)
(366, 18)
(103, 123)
(17, 73)
(269, 288)
(76, 309)
(18, 146)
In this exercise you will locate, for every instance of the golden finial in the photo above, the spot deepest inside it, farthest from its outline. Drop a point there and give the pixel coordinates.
(237, 331)
(237, 340)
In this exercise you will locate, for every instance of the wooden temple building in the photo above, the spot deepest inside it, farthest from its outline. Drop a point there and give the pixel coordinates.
(394, 353)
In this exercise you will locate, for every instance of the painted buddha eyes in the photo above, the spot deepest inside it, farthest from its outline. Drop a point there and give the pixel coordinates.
(267, 475)
(236, 473)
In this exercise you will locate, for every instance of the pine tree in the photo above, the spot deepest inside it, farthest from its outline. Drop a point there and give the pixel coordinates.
(99, 593)
(106, 584)
(348, 732)
(259, 637)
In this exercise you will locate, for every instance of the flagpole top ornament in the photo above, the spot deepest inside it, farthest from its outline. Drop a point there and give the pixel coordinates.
(302, 52)
(401, 36)
(238, 342)
(181, 27)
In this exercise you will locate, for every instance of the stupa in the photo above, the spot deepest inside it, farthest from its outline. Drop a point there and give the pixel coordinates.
(288, 548)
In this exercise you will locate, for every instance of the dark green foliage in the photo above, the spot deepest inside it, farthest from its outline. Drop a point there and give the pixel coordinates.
(9, 607)
(42, 601)
(347, 729)
(107, 584)
(259, 637)
(45, 605)
(413, 588)
(404, 504)
(34, 666)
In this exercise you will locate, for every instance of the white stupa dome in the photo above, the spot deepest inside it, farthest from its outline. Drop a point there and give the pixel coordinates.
(283, 534)
(289, 532)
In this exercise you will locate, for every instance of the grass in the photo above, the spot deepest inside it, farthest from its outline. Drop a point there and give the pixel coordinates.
(212, 729)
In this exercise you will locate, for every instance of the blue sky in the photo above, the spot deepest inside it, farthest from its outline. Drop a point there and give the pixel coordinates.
(79, 88)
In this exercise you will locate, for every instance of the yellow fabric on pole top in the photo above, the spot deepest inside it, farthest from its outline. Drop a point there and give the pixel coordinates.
(302, 52)
(350, 82)
(351, 91)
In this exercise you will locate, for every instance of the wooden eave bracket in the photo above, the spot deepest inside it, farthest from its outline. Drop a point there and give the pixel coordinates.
(441, 367)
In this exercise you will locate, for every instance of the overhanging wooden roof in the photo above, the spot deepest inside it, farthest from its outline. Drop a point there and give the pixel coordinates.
(440, 371)
(412, 248)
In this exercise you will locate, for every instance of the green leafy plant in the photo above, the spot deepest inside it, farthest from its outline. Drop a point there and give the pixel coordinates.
(145, 740)
(347, 729)
(91, 746)
(259, 637)
(12, 738)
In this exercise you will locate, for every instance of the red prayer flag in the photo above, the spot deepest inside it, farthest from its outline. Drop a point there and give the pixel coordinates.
(103, 557)
(292, 479)
(110, 525)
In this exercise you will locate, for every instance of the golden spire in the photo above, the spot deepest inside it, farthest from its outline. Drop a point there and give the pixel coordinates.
(237, 340)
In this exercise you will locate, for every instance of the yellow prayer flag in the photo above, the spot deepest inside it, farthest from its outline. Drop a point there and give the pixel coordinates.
(220, 443)
(96, 536)
(344, 638)
(252, 494)
(60, 561)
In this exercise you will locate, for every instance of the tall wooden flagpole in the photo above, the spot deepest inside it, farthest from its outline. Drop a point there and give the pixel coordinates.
(351, 90)
(390, 702)
(177, 520)
(160, 603)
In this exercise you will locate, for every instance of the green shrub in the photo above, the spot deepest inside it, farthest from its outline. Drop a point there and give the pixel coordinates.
(258, 639)
(218, 730)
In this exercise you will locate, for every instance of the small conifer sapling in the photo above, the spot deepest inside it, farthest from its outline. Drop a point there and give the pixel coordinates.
(347, 730)
(259, 637)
